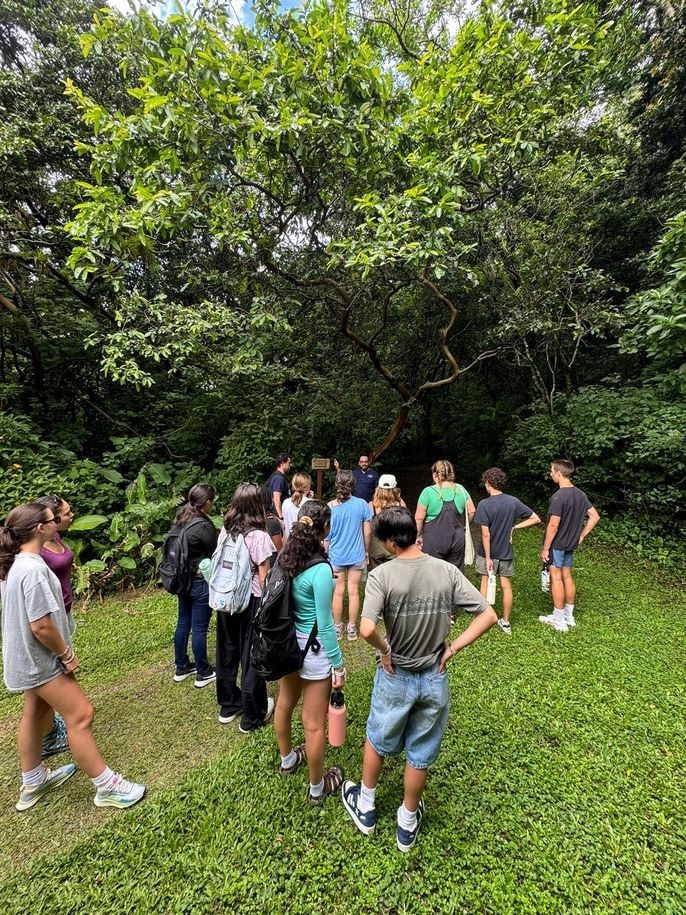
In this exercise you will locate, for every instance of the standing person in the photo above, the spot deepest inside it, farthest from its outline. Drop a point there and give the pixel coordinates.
(59, 558)
(302, 486)
(39, 661)
(414, 595)
(277, 484)
(246, 517)
(442, 512)
(497, 515)
(568, 509)
(303, 559)
(387, 495)
(348, 547)
(366, 479)
(274, 526)
(194, 613)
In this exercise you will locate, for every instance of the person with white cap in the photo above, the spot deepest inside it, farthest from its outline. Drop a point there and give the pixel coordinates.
(386, 495)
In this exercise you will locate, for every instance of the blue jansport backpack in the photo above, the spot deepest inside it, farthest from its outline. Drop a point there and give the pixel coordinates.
(231, 575)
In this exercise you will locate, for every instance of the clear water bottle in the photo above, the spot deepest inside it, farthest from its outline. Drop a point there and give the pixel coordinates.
(490, 588)
(545, 578)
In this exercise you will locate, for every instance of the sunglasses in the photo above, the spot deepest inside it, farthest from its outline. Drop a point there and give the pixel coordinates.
(55, 518)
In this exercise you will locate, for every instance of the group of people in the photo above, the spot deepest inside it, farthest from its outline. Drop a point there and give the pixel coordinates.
(415, 584)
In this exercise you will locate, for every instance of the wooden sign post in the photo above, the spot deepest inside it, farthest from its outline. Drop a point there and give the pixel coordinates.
(320, 465)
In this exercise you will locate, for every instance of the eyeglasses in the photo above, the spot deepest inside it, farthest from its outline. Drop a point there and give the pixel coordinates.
(55, 518)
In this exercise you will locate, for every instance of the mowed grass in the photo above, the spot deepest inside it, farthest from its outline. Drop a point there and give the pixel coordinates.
(561, 785)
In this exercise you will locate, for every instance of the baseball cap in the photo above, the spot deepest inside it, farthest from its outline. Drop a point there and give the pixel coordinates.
(387, 481)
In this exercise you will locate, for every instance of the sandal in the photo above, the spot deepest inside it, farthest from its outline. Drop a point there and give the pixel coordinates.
(333, 779)
(352, 632)
(339, 629)
(301, 757)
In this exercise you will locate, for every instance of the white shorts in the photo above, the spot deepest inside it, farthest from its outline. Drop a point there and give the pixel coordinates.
(315, 666)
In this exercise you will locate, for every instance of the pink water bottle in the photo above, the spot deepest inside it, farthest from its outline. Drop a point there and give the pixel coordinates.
(337, 718)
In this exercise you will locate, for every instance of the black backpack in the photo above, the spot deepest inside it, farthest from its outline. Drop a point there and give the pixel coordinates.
(175, 571)
(274, 648)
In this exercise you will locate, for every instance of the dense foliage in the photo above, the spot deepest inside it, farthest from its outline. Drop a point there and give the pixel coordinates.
(405, 228)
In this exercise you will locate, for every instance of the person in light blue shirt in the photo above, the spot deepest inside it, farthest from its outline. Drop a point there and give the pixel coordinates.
(348, 546)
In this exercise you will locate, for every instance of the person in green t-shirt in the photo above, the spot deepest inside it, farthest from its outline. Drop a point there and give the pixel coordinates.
(442, 512)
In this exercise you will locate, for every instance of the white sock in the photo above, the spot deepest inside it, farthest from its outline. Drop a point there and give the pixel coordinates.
(367, 798)
(569, 611)
(407, 818)
(559, 613)
(34, 777)
(105, 779)
(317, 790)
(290, 760)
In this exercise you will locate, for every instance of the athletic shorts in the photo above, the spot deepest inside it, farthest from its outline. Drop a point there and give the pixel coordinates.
(561, 559)
(409, 711)
(502, 567)
(358, 567)
(315, 666)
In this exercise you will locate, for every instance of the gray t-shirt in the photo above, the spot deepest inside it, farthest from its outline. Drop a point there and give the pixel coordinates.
(570, 504)
(414, 598)
(30, 592)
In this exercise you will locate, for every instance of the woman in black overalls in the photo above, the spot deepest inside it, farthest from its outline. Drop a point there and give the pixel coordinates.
(441, 515)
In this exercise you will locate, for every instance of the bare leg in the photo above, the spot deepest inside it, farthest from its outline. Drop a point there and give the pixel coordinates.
(372, 764)
(337, 600)
(354, 578)
(557, 590)
(506, 586)
(415, 780)
(484, 585)
(569, 587)
(66, 696)
(290, 688)
(32, 729)
(315, 705)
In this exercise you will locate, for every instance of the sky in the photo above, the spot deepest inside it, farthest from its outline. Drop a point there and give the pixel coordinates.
(241, 8)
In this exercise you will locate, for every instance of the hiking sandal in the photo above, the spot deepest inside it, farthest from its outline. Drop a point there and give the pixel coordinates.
(301, 757)
(333, 779)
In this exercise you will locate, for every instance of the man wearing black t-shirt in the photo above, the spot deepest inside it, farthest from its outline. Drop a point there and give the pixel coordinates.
(569, 508)
(277, 484)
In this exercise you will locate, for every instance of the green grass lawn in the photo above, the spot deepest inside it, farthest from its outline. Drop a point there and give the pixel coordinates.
(561, 786)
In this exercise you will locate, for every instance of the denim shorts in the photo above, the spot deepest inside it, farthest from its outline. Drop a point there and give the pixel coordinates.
(409, 712)
(561, 559)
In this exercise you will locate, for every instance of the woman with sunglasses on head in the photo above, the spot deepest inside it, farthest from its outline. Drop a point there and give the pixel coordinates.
(39, 661)
(246, 517)
(59, 558)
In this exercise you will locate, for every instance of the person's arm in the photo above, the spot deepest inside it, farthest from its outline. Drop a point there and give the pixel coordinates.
(367, 531)
(47, 634)
(322, 591)
(276, 498)
(550, 531)
(527, 522)
(480, 624)
(370, 634)
(419, 517)
(262, 570)
(486, 544)
(591, 521)
(471, 510)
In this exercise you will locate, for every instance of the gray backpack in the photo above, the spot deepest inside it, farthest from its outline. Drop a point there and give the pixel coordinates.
(231, 574)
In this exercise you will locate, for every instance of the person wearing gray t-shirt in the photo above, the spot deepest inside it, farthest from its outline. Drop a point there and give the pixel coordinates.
(39, 661)
(414, 595)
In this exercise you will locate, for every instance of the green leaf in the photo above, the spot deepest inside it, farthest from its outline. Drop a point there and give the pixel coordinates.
(88, 522)
(125, 562)
(160, 474)
(95, 565)
(112, 475)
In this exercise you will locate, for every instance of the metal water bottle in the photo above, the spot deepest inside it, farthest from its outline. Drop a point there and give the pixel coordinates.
(490, 588)
(545, 578)
(337, 718)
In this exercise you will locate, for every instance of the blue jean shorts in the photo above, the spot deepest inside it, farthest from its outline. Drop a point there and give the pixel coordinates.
(562, 559)
(409, 711)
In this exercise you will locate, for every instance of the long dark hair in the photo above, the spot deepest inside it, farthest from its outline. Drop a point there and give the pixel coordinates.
(198, 495)
(305, 538)
(345, 483)
(246, 511)
(19, 527)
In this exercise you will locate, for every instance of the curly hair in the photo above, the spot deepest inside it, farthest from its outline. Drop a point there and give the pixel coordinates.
(302, 484)
(444, 471)
(495, 477)
(246, 511)
(345, 483)
(385, 498)
(305, 538)
(18, 528)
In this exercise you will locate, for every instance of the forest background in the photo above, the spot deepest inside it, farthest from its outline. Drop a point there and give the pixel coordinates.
(414, 229)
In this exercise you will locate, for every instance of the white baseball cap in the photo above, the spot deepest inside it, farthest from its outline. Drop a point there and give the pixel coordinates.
(387, 481)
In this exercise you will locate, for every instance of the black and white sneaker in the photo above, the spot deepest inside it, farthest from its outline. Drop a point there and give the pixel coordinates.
(365, 822)
(408, 837)
(227, 717)
(205, 679)
(182, 673)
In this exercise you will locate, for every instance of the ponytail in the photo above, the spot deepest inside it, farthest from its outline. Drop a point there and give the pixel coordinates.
(305, 538)
(19, 527)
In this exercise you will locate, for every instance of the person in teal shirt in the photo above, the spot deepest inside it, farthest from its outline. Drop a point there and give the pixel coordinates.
(304, 560)
(443, 511)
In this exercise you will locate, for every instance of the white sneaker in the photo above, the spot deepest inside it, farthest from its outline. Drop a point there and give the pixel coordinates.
(552, 620)
(270, 712)
(571, 622)
(121, 793)
(505, 626)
